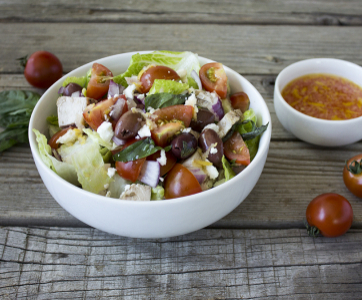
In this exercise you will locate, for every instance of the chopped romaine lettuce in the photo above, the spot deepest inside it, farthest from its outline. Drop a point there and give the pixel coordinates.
(168, 86)
(229, 173)
(97, 139)
(157, 193)
(64, 170)
(117, 185)
(175, 60)
(82, 81)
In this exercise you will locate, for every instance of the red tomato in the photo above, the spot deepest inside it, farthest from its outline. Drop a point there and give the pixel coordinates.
(163, 134)
(156, 72)
(331, 213)
(240, 101)
(42, 69)
(180, 182)
(53, 140)
(236, 149)
(213, 79)
(130, 170)
(170, 162)
(352, 176)
(94, 114)
(98, 85)
(182, 113)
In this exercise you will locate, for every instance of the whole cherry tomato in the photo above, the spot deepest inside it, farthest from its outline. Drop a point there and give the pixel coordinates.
(240, 101)
(156, 72)
(42, 69)
(352, 175)
(213, 79)
(180, 182)
(99, 83)
(331, 213)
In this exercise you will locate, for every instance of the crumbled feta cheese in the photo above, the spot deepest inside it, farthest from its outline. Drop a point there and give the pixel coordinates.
(192, 100)
(150, 109)
(212, 126)
(136, 192)
(111, 172)
(70, 137)
(211, 171)
(186, 130)
(106, 186)
(227, 122)
(108, 195)
(132, 80)
(162, 159)
(182, 73)
(213, 150)
(161, 179)
(144, 131)
(129, 91)
(141, 96)
(105, 131)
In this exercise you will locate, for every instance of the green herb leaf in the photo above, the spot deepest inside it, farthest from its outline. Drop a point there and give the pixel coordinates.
(16, 109)
(137, 150)
(53, 120)
(255, 131)
(164, 99)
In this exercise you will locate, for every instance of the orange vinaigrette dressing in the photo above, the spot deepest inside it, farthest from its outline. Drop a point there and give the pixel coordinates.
(324, 96)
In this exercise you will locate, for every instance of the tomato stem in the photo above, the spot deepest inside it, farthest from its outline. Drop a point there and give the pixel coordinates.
(312, 230)
(23, 60)
(355, 167)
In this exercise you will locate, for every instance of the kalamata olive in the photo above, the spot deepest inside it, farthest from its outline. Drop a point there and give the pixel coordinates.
(128, 125)
(204, 117)
(71, 88)
(184, 145)
(207, 138)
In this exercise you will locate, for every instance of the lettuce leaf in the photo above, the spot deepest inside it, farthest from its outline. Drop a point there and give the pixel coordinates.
(157, 193)
(229, 173)
(82, 81)
(161, 100)
(96, 138)
(88, 163)
(168, 86)
(117, 186)
(64, 170)
(175, 60)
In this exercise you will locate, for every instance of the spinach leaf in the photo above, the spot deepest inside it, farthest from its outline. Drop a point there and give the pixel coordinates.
(16, 108)
(255, 131)
(137, 150)
(161, 100)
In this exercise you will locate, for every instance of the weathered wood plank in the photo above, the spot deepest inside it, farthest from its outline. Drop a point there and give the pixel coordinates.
(210, 12)
(246, 49)
(294, 174)
(61, 263)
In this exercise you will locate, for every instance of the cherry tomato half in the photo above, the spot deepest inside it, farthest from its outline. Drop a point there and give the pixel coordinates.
(53, 140)
(352, 176)
(162, 134)
(156, 72)
(331, 213)
(130, 170)
(42, 69)
(98, 84)
(240, 101)
(236, 149)
(180, 182)
(213, 79)
(182, 113)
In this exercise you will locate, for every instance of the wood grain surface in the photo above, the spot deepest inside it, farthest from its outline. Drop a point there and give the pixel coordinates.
(306, 12)
(63, 263)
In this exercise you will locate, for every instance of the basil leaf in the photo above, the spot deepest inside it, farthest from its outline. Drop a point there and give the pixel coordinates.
(137, 150)
(16, 109)
(255, 131)
(53, 120)
(161, 100)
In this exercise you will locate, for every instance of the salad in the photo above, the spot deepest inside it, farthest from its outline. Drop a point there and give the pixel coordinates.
(165, 128)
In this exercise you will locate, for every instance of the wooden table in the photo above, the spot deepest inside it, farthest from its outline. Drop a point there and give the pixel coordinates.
(260, 250)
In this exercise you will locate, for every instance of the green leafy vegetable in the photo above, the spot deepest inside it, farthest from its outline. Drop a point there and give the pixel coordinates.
(82, 81)
(15, 112)
(117, 185)
(168, 86)
(175, 60)
(106, 154)
(53, 120)
(229, 173)
(254, 132)
(164, 99)
(94, 135)
(137, 150)
(157, 193)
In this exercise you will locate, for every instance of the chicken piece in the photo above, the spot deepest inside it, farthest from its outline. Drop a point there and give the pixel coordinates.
(227, 122)
(136, 192)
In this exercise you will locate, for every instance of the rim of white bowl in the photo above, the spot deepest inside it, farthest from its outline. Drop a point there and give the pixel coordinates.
(307, 117)
(261, 151)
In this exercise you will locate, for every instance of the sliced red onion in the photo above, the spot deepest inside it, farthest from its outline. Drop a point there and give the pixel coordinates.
(196, 77)
(118, 141)
(117, 109)
(61, 90)
(218, 109)
(113, 89)
(199, 174)
(76, 94)
(150, 173)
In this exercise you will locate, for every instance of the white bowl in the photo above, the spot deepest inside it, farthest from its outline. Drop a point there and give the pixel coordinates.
(313, 130)
(155, 219)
